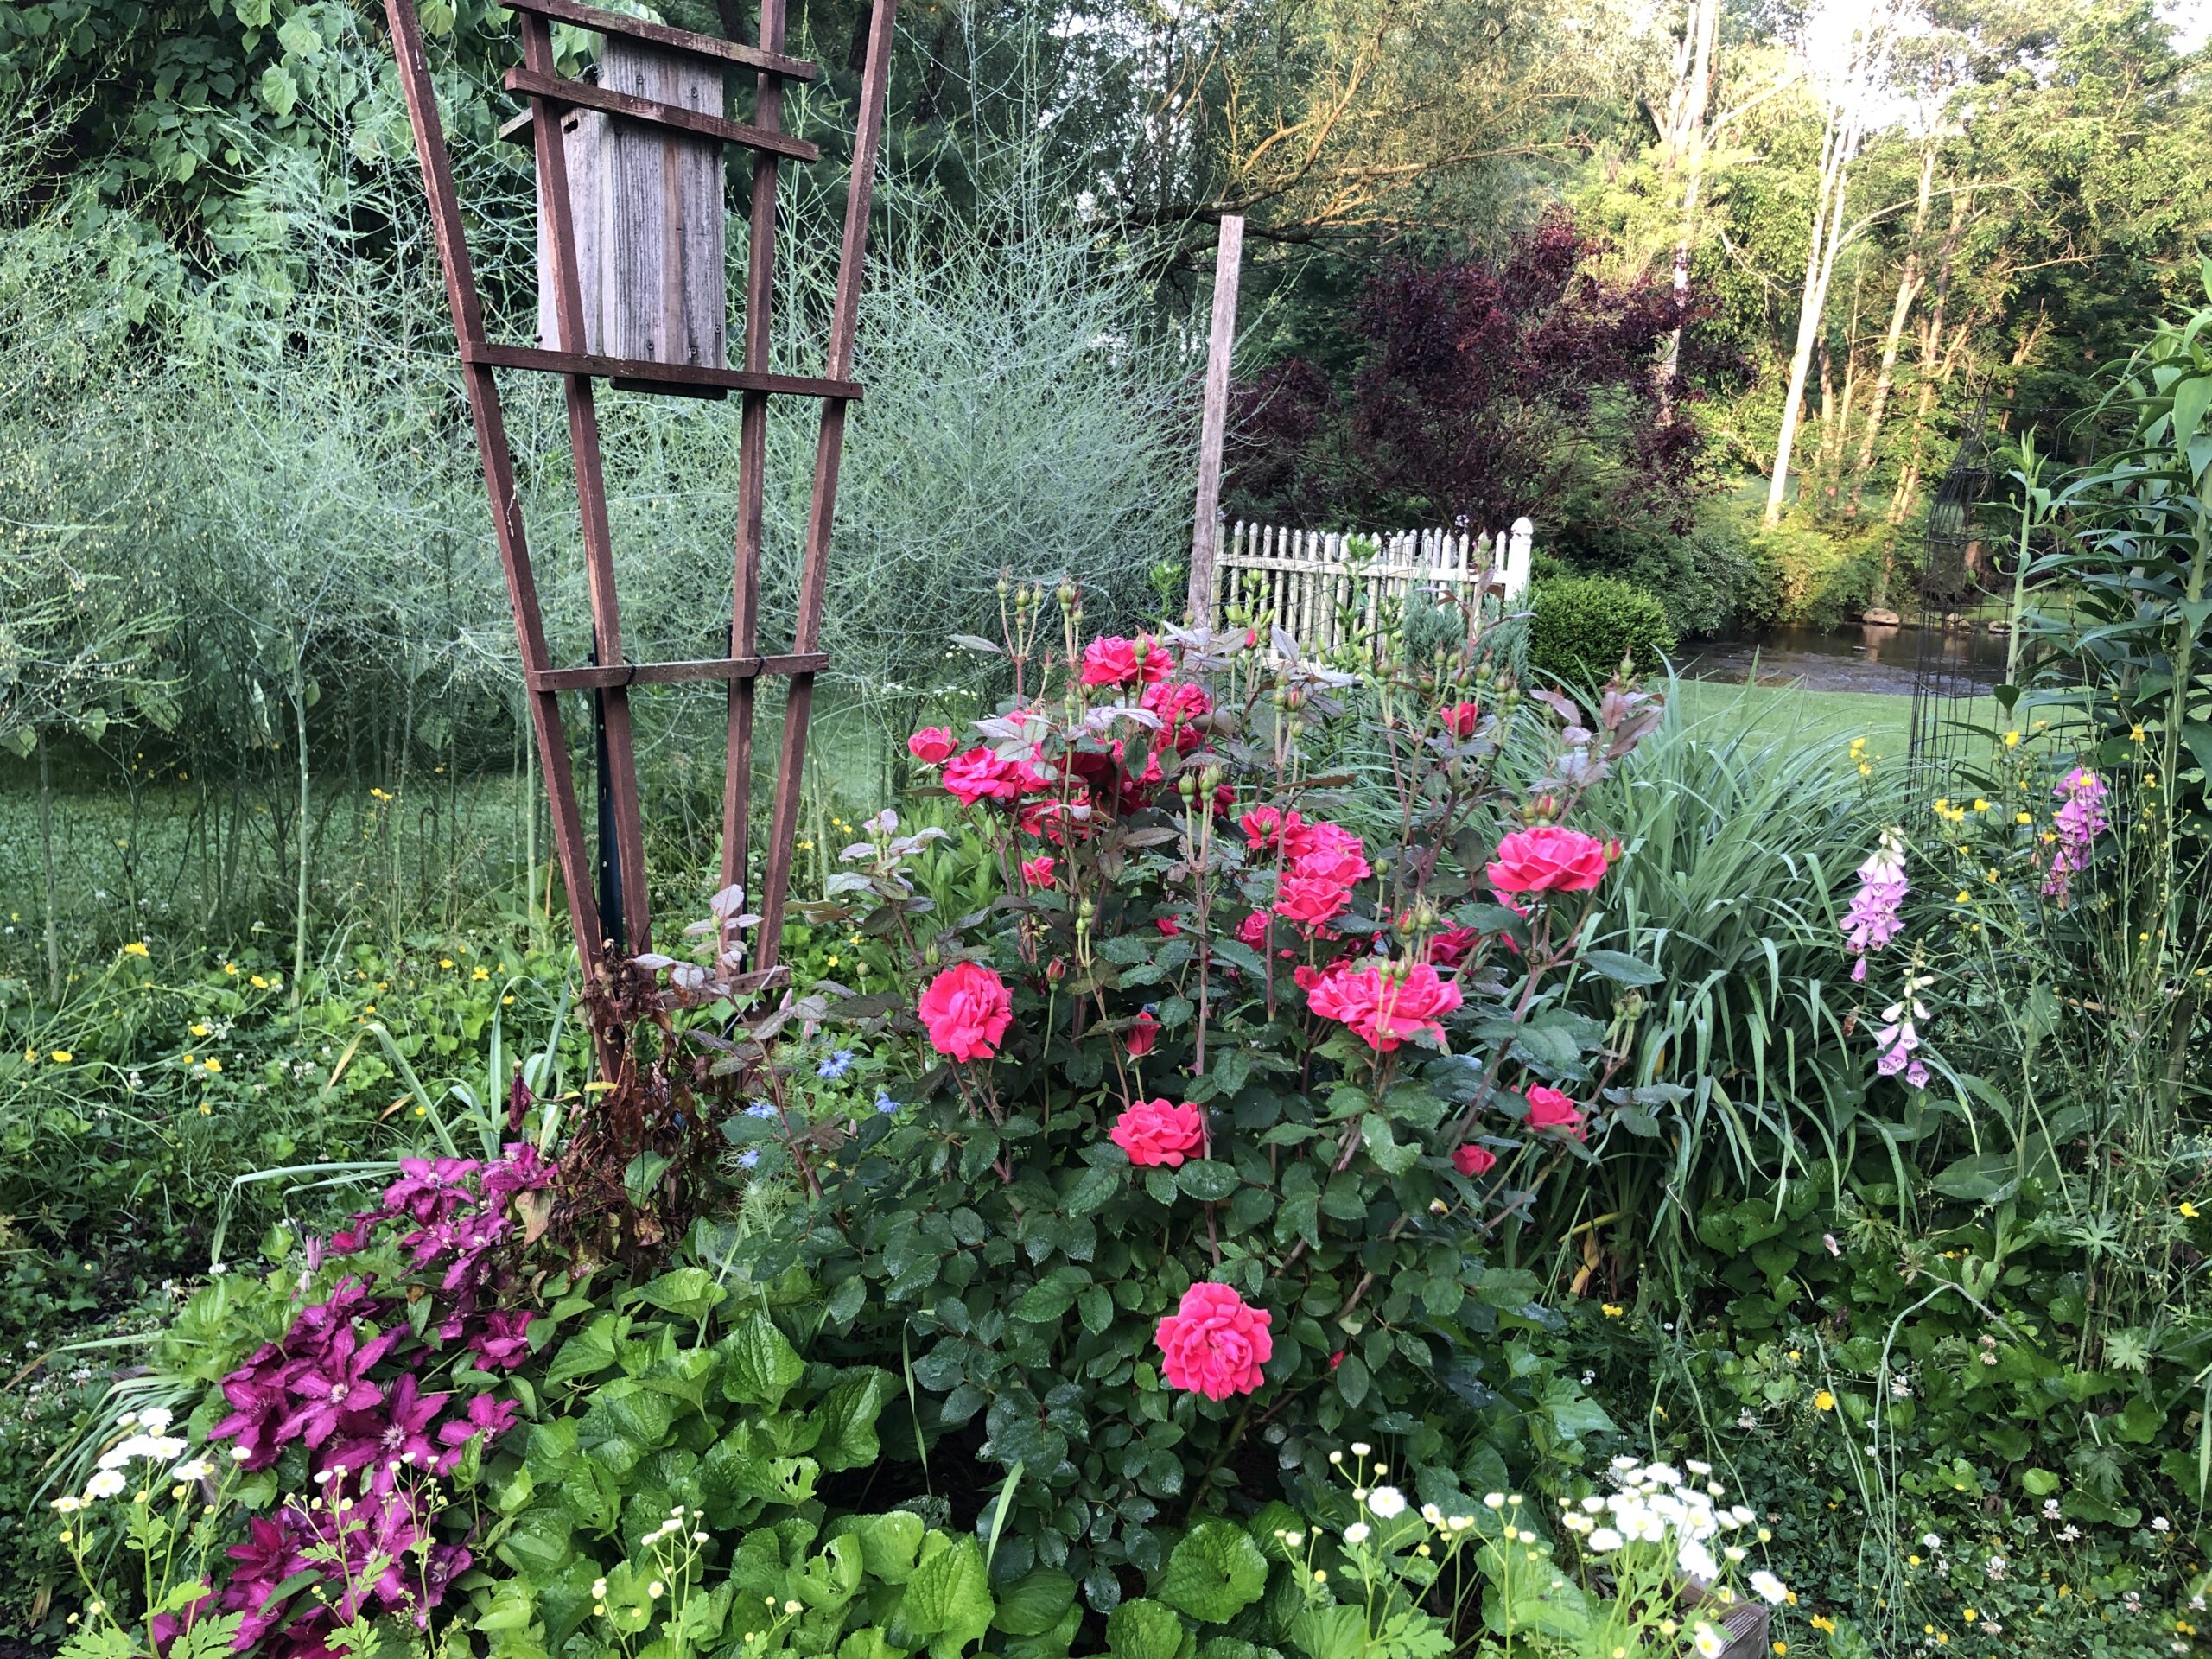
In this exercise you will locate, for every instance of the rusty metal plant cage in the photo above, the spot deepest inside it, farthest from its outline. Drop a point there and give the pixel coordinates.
(1957, 579)
(631, 186)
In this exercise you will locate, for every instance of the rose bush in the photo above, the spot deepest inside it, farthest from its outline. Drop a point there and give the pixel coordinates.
(1210, 1141)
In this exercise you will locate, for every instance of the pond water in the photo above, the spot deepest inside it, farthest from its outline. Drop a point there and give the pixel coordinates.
(1859, 658)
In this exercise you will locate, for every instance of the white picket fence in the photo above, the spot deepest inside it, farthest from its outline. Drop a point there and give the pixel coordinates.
(1314, 589)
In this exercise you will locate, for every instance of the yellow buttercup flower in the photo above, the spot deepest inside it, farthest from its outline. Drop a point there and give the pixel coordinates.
(2012, 739)
(214, 1064)
(1824, 1401)
(62, 1056)
(2189, 1211)
(1611, 1310)
(199, 1029)
(136, 947)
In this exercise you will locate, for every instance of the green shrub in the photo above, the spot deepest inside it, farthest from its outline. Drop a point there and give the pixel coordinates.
(1583, 626)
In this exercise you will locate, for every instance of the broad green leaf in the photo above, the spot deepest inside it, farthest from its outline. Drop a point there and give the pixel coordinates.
(688, 1293)
(759, 1366)
(949, 1600)
(889, 1543)
(1215, 1573)
(848, 1414)
(1139, 1629)
(590, 1351)
(1032, 1605)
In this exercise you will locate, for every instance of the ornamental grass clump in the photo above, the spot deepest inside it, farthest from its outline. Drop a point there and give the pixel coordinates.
(1218, 1108)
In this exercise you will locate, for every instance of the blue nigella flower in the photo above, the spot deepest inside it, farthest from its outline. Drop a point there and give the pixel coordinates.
(748, 1157)
(759, 1108)
(836, 1065)
(884, 1103)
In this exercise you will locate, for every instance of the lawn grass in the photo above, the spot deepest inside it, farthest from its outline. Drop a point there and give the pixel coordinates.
(1795, 718)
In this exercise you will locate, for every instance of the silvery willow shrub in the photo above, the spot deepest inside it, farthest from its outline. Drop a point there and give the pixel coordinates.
(1219, 1119)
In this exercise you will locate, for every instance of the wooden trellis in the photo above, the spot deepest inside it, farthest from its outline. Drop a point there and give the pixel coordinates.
(650, 329)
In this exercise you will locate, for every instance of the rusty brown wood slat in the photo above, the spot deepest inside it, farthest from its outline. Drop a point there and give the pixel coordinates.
(734, 669)
(676, 40)
(673, 375)
(498, 469)
(591, 501)
(752, 468)
(829, 449)
(552, 90)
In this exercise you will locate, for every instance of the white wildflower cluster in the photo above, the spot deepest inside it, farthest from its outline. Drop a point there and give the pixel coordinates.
(676, 1526)
(1660, 1505)
(149, 1441)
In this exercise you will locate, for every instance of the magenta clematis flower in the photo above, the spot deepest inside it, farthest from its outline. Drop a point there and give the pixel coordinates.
(485, 1416)
(373, 1438)
(503, 1342)
(333, 1383)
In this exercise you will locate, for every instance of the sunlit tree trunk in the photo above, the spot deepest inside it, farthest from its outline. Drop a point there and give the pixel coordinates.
(1910, 283)
(1839, 147)
(1686, 138)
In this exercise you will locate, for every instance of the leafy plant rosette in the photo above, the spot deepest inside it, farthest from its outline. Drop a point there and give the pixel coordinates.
(1219, 1112)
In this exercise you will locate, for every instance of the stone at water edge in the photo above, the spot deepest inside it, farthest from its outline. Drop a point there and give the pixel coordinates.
(1879, 618)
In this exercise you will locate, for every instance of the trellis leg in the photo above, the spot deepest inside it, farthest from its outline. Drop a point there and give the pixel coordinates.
(498, 473)
(752, 465)
(591, 491)
(829, 447)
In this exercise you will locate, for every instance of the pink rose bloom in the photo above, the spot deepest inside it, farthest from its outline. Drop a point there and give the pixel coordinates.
(1550, 1109)
(1179, 704)
(1037, 872)
(1450, 948)
(1311, 901)
(1459, 718)
(1168, 926)
(932, 745)
(979, 775)
(1113, 661)
(1472, 1160)
(1548, 859)
(1253, 930)
(1264, 825)
(1142, 1036)
(967, 1009)
(1383, 1007)
(1329, 852)
(1215, 1343)
(1158, 1132)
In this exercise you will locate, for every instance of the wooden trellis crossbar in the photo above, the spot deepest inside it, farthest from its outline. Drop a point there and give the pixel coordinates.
(610, 675)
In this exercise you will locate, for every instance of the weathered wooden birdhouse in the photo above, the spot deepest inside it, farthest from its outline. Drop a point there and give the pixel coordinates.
(648, 211)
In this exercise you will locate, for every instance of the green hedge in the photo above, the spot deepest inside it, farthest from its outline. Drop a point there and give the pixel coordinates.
(1581, 626)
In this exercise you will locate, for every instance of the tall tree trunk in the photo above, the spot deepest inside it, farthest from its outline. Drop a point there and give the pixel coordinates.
(52, 871)
(1686, 145)
(1839, 147)
(1910, 282)
(1931, 340)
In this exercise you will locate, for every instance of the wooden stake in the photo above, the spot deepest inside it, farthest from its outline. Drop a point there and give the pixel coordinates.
(1204, 529)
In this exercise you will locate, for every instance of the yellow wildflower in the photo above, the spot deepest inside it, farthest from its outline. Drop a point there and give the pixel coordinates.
(2189, 1211)
(445, 961)
(136, 947)
(199, 1029)
(259, 983)
(62, 1056)
(481, 973)
(1824, 1401)
(2012, 739)
(214, 1064)
(1611, 1310)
